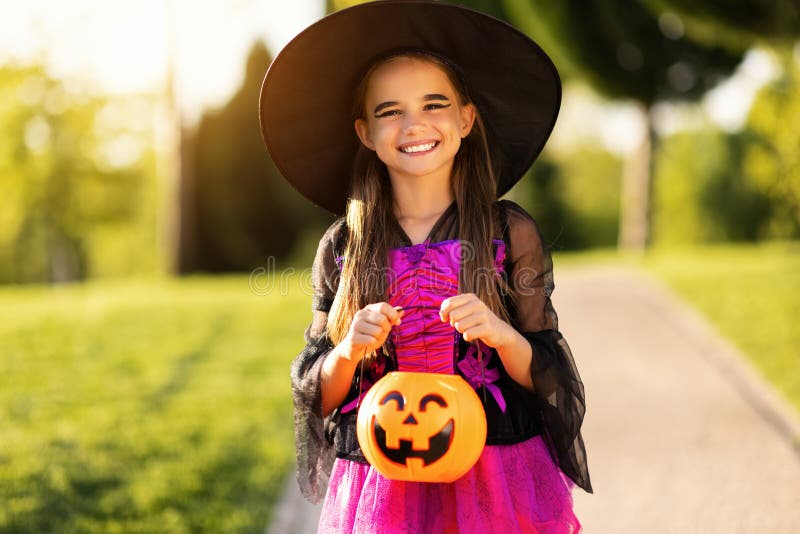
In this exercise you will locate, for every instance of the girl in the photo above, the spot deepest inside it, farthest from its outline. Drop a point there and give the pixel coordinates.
(427, 270)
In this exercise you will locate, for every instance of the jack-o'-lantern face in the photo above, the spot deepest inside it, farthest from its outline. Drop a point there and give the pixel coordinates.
(421, 426)
(427, 436)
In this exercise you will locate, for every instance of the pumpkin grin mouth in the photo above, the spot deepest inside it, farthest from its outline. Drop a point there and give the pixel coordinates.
(438, 446)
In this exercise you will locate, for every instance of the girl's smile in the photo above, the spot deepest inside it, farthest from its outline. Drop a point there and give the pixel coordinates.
(418, 148)
(414, 119)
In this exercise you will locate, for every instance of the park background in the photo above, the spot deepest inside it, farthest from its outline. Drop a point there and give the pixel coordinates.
(154, 264)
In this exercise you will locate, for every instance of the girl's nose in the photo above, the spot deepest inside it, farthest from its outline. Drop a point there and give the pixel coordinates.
(414, 124)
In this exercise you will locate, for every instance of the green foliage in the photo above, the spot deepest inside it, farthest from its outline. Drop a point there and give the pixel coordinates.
(159, 406)
(245, 211)
(77, 172)
(621, 50)
(772, 162)
(713, 186)
(625, 50)
(701, 193)
(574, 197)
(734, 21)
(336, 5)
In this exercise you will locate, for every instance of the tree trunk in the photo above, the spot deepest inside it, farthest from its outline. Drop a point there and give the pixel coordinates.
(170, 189)
(186, 220)
(637, 188)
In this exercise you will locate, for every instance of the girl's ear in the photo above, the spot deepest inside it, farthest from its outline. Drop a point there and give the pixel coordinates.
(467, 119)
(362, 130)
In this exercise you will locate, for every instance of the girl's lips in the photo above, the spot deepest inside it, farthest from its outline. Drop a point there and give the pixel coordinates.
(418, 147)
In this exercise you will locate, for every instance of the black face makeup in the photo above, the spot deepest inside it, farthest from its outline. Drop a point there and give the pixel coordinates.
(427, 98)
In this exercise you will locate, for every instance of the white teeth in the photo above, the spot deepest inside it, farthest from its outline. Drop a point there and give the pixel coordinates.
(418, 148)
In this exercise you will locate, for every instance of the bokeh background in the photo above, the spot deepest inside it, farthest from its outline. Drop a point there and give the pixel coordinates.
(154, 264)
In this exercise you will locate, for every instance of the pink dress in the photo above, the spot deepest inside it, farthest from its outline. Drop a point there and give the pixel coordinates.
(534, 453)
(513, 488)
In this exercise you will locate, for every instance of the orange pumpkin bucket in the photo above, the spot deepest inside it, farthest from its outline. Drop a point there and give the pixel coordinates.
(421, 427)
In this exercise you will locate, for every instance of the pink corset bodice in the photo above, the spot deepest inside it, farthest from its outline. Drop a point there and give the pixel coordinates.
(420, 277)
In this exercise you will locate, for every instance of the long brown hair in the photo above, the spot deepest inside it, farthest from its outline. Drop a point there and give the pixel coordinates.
(369, 213)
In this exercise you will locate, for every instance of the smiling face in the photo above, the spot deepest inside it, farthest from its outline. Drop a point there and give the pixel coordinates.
(414, 118)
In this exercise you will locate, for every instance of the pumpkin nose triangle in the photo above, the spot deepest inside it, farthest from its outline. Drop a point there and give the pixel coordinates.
(410, 420)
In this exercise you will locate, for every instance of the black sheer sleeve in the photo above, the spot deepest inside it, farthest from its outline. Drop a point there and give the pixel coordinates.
(315, 452)
(558, 391)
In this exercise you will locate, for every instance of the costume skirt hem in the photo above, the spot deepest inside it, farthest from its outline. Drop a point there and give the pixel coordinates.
(512, 489)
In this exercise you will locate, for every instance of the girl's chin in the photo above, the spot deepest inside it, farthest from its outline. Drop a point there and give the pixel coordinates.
(414, 171)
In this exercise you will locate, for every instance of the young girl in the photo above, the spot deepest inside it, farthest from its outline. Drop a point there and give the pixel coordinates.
(427, 271)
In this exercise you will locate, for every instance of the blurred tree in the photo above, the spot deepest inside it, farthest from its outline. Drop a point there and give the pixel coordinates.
(703, 195)
(573, 195)
(734, 21)
(245, 211)
(768, 162)
(624, 50)
(492, 7)
(78, 179)
(541, 194)
(772, 163)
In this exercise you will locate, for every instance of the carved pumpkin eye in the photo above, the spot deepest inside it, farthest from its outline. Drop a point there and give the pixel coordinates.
(395, 396)
(431, 398)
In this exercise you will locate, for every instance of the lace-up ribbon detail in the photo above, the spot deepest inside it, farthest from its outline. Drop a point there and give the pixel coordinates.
(470, 367)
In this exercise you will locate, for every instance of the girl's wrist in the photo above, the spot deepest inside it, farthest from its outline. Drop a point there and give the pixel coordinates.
(345, 353)
(512, 342)
(507, 336)
(517, 355)
(338, 361)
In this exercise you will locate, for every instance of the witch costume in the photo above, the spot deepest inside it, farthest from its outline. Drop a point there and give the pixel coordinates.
(534, 451)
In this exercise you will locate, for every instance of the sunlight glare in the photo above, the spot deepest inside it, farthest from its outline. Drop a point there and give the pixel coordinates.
(123, 46)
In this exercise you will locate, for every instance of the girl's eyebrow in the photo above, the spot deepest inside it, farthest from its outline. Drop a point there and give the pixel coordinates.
(390, 103)
(435, 96)
(384, 105)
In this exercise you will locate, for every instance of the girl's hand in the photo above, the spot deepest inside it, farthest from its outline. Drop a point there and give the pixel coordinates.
(369, 329)
(469, 315)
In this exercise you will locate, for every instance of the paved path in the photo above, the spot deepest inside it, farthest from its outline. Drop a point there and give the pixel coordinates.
(682, 435)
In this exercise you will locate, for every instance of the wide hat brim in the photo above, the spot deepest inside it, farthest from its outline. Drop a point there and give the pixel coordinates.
(307, 94)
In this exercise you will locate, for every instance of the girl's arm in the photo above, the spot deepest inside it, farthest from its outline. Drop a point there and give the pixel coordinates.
(516, 354)
(337, 374)
(315, 453)
(558, 389)
(369, 330)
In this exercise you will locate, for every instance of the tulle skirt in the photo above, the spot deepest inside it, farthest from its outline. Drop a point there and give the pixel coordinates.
(512, 489)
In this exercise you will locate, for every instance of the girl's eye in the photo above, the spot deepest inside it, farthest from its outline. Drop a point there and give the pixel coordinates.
(388, 113)
(436, 106)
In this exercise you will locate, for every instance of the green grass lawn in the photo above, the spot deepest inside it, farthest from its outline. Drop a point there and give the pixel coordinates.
(145, 407)
(751, 294)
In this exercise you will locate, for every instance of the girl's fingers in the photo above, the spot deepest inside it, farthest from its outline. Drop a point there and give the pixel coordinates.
(364, 328)
(377, 319)
(399, 314)
(449, 305)
(470, 321)
(476, 332)
(392, 313)
(467, 309)
(371, 324)
(474, 311)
